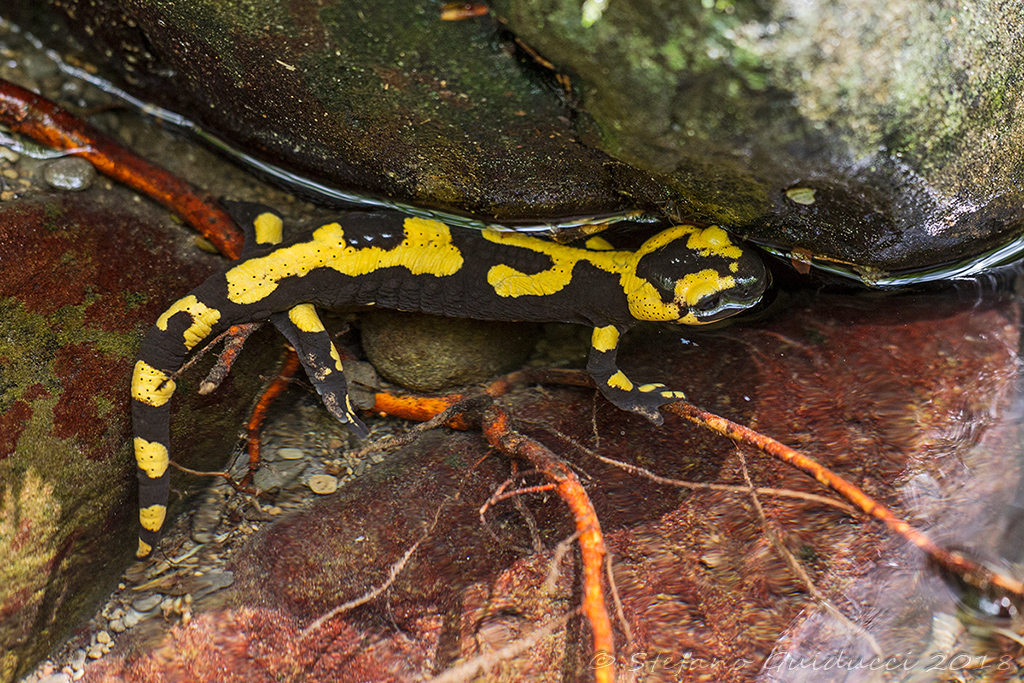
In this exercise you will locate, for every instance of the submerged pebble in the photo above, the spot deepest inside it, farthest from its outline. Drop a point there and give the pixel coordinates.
(147, 603)
(70, 173)
(323, 484)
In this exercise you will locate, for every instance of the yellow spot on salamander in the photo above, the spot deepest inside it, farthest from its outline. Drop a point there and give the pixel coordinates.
(305, 318)
(605, 338)
(645, 302)
(695, 286)
(151, 386)
(144, 549)
(689, 319)
(269, 228)
(152, 518)
(509, 282)
(337, 357)
(657, 387)
(203, 318)
(620, 381)
(714, 241)
(151, 457)
(598, 243)
(427, 249)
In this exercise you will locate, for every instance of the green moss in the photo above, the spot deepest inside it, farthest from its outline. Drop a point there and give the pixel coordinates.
(29, 343)
(133, 300)
(72, 476)
(55, 217)
(455, 461)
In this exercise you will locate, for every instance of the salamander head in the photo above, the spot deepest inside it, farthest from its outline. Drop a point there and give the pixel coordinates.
(694, 276)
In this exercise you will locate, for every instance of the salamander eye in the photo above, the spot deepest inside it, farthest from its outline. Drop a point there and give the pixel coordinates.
(708, 304)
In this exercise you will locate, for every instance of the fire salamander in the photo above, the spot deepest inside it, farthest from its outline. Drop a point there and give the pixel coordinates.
(684, 274)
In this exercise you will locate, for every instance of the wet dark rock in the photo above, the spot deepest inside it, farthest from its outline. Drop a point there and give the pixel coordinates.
(437, 468)
(382, 98)
(428, 353)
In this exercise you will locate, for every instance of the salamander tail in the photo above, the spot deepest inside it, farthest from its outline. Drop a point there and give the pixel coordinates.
(181, 328)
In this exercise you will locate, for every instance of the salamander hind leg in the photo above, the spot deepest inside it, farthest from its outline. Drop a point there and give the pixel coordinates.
(302, 326)
(644, 399)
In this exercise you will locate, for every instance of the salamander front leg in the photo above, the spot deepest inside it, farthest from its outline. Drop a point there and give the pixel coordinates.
(644, 399)
(302, 326)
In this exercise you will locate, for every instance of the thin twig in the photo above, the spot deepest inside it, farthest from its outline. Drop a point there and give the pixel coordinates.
(704, 486)
(613, 588)
(972, 572)
(797, 568)
(371, 594)
(524, 512)
(563, 547)
(289, 367)
(237, 336)
(226, 476)
(498, 495)
(453, 407)
(500, 434)
(471, 668)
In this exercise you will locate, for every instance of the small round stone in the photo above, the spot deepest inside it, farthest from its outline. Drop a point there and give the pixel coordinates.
(78, 659)
(432, 353)
(323, 484)
(147, 603)
(70, 173)
(291, 453)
